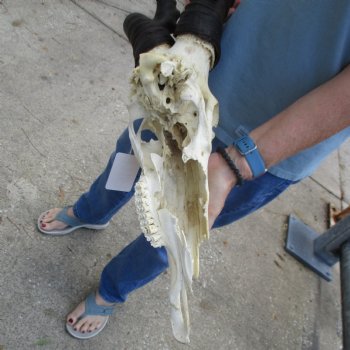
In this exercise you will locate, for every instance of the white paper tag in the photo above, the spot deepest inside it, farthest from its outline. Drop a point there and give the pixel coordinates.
(123, 173)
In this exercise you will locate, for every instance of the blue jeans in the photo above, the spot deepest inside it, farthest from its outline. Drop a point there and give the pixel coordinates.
(139, 263)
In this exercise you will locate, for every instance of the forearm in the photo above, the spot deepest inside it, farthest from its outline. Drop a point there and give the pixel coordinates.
(311, 119)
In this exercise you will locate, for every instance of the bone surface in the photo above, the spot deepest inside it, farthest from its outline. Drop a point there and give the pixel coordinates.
(170, 91)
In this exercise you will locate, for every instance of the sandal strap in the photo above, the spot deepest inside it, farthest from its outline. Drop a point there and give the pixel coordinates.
(65, 218)
(92, 309)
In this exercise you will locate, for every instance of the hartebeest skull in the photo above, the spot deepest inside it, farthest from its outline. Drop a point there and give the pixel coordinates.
(169, 89)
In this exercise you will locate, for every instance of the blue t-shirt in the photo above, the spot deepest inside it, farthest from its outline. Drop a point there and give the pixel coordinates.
(274, 52)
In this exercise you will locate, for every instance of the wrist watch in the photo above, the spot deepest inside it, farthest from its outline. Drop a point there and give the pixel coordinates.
(247, 148)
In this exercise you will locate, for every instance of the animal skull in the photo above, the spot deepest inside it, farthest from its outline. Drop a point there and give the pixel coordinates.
(170, 91)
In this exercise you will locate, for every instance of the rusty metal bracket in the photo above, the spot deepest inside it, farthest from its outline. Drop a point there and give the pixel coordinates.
(335, 215)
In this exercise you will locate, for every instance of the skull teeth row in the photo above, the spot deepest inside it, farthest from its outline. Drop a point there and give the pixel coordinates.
(148, 223)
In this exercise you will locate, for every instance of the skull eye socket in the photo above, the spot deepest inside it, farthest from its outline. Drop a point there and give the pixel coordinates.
(171, 143)
(180, 129)
(175, 139)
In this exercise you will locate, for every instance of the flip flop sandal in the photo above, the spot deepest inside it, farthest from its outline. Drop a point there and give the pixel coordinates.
(91, 309)
(73, 223)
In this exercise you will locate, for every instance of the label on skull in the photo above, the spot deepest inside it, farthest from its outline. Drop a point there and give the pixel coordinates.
(123, 173)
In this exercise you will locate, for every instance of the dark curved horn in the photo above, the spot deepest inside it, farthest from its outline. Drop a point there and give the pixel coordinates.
(205, 18)
(144, 33)
(167, 14)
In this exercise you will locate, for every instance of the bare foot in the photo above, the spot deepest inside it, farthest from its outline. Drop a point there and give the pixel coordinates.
(48, 222)
(88, 323)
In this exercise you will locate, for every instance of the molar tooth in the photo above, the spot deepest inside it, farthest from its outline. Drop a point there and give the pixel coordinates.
(143, 222)
(142, 201)
(152, 229)
(148, 216)
(144, 212)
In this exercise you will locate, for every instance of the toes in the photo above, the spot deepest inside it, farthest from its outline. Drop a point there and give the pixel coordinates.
(88, 327)
(81, 326)
(50, 215)
(45, 226)
(73, 317)
(48, 220)
(94, 326)
(48, 226)
(84, 325)
(87, 324)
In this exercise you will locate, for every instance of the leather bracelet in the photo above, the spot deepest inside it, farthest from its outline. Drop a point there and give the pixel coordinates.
(232, 165)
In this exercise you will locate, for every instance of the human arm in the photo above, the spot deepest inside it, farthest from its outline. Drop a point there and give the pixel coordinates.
(311, 119)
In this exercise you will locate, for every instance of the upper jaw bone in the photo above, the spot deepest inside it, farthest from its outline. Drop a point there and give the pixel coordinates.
(170, 90)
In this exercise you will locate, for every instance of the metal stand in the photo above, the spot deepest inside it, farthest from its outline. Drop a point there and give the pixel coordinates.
(320, 253)
(317, 252)
(345, 292)
(300, 244)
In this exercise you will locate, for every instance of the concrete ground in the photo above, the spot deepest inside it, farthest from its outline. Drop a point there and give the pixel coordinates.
(64, 68)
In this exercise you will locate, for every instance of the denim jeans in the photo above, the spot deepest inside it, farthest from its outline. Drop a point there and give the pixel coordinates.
(139, 263)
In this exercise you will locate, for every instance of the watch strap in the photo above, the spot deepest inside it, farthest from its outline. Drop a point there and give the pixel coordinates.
(247, 148)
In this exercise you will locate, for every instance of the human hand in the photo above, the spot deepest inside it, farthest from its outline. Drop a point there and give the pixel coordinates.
(221, 180)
